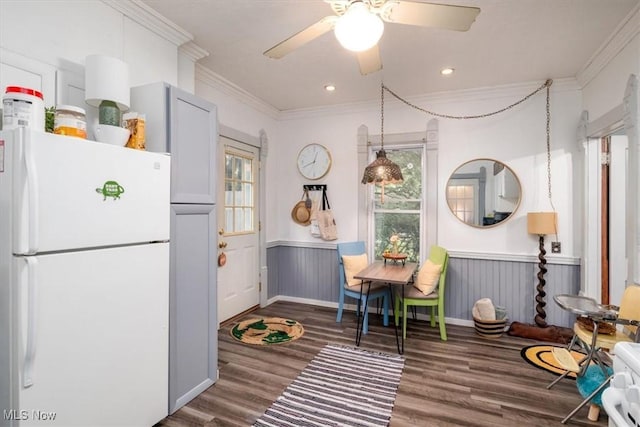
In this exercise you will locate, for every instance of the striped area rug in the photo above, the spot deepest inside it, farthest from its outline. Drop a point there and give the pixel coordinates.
(341, 386)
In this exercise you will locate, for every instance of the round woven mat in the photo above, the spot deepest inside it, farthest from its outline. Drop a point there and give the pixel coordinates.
(267, 331)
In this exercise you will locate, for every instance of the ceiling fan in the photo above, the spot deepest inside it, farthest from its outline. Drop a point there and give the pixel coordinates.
(358, 25)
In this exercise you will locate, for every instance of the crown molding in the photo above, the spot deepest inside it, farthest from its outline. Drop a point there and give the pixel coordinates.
(216, 81)
(621, 36)
(193, 51)
(139, 12)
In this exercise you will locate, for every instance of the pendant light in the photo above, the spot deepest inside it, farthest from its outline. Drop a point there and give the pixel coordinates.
(382, 170)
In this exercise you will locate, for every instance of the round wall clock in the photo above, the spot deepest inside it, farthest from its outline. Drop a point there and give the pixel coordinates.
(314, 161)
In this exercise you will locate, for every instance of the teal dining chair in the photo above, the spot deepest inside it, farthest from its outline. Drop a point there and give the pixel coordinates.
(378, 290)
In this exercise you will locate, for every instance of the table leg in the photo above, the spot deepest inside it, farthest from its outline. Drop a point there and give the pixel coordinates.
(401, 351)
(393, 316)
(360, 323)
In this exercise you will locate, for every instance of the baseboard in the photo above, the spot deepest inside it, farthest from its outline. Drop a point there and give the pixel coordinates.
(352, 307)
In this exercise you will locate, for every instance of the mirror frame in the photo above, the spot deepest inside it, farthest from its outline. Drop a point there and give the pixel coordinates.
(495, 171)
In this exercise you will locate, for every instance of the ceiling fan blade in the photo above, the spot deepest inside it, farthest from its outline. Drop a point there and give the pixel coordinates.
(301, 38)
(434, 15)
(369, 61)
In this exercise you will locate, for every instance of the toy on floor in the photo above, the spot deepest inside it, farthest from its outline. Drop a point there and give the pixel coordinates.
(588, 383)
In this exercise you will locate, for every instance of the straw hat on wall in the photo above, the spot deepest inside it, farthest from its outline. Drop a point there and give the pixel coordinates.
(301, 214)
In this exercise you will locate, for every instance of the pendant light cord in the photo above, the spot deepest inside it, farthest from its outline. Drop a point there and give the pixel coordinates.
(382, 88)
(547, 84)
(549, 151)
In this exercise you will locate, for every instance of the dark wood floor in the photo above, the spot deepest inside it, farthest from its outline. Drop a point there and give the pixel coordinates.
(465, 381)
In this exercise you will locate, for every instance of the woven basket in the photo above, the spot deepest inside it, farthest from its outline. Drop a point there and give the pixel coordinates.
(490, 328)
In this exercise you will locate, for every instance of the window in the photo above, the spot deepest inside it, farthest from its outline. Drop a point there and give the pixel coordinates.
(401, 212)
(239, 204)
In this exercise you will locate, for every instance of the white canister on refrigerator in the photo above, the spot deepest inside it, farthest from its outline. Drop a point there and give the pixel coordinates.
(22, 107)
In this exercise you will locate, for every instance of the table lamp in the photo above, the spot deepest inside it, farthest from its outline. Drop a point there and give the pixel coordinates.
(541, 223)
(107, 87)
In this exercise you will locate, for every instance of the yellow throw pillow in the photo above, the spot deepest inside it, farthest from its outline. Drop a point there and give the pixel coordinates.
(428, 277)
(354, 264)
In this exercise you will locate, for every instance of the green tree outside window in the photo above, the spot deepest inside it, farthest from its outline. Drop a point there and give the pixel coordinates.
(400, 212)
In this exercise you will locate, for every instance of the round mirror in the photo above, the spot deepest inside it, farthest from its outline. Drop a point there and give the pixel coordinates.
(483, 192)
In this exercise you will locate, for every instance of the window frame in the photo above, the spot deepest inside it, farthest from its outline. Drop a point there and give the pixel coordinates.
(371, 237)
(367, 146)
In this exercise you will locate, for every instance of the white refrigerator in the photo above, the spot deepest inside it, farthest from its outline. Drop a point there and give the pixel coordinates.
(84, 282)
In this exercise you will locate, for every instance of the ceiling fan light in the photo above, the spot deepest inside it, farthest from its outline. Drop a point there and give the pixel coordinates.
(358, 29)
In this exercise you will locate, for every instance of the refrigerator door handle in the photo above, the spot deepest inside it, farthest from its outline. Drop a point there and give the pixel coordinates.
(30, 351)
(32, 188)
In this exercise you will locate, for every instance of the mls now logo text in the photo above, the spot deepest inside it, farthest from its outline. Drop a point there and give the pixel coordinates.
(25, 415)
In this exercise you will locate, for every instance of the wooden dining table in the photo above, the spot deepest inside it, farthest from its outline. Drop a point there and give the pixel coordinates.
(393, 274)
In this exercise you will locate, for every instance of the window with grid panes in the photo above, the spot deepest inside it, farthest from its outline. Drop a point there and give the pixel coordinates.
(239, 203)
(402, 208)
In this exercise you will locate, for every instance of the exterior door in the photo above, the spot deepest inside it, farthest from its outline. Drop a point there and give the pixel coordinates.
(238, 229)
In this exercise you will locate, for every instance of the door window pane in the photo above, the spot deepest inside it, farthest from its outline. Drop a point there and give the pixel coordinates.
(239, 194)
(228, 166)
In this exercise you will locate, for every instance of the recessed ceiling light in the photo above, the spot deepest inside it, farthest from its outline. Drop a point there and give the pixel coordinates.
(329, 88)
(446, 71)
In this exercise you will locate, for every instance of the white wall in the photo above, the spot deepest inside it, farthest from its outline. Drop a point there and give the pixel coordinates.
(66, 31)
(516, 137)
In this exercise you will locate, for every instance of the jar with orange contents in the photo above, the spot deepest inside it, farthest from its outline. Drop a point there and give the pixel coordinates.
(71, 121)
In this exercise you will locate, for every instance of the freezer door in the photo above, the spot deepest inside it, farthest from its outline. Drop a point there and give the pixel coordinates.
(70, 193)
(91, 341)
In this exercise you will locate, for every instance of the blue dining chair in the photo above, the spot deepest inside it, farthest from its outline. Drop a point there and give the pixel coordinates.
(378, 290)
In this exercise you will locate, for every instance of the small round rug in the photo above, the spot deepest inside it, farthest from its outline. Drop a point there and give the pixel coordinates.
(267, 331)
(541, 356)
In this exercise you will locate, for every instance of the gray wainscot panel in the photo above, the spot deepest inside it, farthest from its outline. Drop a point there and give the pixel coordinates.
(312, 273)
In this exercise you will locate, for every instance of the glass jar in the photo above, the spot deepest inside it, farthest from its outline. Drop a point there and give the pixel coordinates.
(71, 121)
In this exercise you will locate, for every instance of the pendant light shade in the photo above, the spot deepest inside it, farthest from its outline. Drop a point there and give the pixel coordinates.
(382, 171)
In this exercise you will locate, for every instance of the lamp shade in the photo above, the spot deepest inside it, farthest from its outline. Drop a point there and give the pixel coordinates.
(106, 79)
(358, 29)
(542, 223)
(382, 170)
